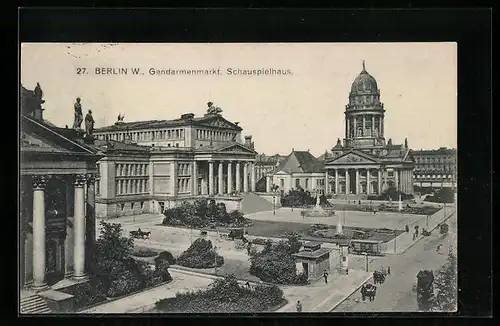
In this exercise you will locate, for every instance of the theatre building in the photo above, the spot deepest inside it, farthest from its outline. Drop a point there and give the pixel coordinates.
(153, 165)
(364, 163)
(57, 202)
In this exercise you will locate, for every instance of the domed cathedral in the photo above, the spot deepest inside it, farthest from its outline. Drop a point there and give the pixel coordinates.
(365, 164)
(364, 115)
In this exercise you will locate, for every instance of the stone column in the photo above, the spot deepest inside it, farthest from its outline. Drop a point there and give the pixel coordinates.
(373, 125)
(90, 225)
(221, 178)
(39, 183)
(364, 124)
(204, 181)
(211, 178)
(252, 177)
(382, 126)
(357, 181)
(229, 177)
(238, 177)
(336, 181)
(245, 177)
(385, 180)
(79, 226)
(396, 176)
(173, 178)
(355, 126)
(368, 185)
(194, 178)
(268, 184)
(327, 188)
(347, 127)
(69, 241)
(379, 181)
(347, 183)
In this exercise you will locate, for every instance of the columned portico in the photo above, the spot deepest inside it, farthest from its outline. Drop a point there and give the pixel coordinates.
(221, 179)
(39, 183)
(194, 178)
(229, 177)
(238, 177)
(79, 227)
(245, 177)
(211, 191)
(252, 177)
(337, 181)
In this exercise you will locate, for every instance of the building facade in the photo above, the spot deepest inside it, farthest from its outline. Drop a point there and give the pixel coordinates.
(265, 164)
(57, 200)
(435, 168)
(153, 165)
(365, 164)
(300, 169)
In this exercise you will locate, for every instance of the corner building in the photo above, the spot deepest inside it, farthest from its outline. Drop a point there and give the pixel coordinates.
(364, 163)
(150, 166)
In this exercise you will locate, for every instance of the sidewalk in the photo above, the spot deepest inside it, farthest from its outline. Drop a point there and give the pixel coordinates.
(321, 297)
(405, 240)
(144, 301)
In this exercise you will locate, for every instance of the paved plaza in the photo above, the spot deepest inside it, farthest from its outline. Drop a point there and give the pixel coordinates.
(351, 218)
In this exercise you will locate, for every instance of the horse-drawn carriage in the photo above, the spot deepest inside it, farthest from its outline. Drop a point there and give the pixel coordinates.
(370, 291)
(139, 234)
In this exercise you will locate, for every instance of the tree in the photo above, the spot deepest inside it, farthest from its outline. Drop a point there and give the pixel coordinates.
(111, 245)
(221, 213)
(445, 286)
(212, 210)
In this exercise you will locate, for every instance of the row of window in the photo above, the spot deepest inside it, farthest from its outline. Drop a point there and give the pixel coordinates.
(134, 186)
(434, 159)
(184, 185)
(145, 135)
(434, 176)
(121, 206)
(435, 168)
(215, 135)
(126, 170)
(184, 169)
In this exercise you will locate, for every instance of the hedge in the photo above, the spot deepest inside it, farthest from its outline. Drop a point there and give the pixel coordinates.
(200, 255)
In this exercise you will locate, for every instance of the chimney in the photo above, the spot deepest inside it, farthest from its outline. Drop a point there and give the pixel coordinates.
(248, 141)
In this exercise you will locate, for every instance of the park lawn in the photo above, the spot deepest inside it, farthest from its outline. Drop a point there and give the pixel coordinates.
(231, 266)
(275, 229)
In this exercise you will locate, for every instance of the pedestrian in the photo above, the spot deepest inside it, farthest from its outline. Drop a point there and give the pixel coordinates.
(374, 292)
(325, 275)
(388, 270)
(407, 229)
(359, 202)
(375, 277)
(414, 236)
(363, 292)
(299, 306)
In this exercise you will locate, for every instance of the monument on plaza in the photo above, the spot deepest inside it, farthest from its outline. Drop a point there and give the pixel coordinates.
(400, 204)
(339, 226)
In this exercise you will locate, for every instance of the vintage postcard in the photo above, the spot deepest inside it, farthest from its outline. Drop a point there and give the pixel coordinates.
(242, 178)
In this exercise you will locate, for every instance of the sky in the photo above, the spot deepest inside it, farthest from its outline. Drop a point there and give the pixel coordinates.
(303, 110)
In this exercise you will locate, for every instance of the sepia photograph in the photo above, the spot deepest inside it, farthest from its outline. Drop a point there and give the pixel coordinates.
(161, 178)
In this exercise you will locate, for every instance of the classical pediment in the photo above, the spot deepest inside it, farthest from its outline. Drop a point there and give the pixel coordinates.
(219, 122)
(37, 137)
(352, 158)
(236, 148)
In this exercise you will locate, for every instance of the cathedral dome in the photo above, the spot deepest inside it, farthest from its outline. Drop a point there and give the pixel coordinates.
(364, 83)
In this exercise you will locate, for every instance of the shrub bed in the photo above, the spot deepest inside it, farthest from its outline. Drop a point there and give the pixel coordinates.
(86, 294)
(318, 212)
(200, 255)
(144, 253)
(261, 241)
(275, 263)
(224, 295)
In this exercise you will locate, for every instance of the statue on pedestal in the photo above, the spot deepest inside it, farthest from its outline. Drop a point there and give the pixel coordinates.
(78, 115)
(89, 123)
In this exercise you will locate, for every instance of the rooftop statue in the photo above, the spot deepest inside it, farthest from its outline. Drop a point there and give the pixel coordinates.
(89, 123)
(212, 109)
(78, 114)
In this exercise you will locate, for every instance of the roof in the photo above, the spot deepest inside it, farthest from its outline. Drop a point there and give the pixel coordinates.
(300, 162)
(439, 151)
(312, 254)
(364, 83)
(113, 145)
(155, 124)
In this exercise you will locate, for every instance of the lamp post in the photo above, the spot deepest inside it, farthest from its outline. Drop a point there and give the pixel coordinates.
(274, 189)
(395, 237)
(366, 256)
(215, 260)
(427, 222)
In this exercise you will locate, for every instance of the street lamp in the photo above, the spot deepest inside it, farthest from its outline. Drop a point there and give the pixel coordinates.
(395, 237)
(215, 260)
(366, 256)
(427, 222)
(274, 189)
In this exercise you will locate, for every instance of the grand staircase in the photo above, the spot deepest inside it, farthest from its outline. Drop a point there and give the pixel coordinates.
(252, 203)
(34, 304)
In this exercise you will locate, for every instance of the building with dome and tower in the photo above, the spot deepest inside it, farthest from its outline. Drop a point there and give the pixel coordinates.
(364, 163)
